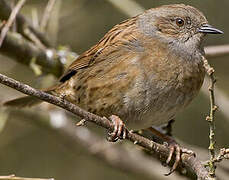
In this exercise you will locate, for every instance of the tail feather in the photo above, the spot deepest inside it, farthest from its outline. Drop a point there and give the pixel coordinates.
(23, 102)
(28, 101)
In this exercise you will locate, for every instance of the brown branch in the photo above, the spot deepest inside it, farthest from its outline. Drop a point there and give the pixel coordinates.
(11, 19)
(160, 151)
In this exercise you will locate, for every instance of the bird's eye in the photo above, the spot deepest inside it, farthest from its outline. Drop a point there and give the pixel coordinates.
(180, 22)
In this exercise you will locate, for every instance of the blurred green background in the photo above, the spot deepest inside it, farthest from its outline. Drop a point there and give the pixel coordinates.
(31, 151)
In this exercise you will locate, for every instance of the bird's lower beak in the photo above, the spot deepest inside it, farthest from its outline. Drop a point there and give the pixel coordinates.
(208, 29)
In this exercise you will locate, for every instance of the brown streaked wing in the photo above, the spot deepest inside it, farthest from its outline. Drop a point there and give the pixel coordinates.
(111, 42)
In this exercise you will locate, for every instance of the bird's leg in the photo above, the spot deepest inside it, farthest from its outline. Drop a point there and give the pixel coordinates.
(119, 131)
(168, 128)
(174, 148)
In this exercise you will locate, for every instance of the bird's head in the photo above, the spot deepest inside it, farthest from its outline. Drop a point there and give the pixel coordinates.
(176, 24)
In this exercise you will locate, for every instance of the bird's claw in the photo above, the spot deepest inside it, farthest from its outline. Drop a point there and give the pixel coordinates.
(119, 131)
(175, 149)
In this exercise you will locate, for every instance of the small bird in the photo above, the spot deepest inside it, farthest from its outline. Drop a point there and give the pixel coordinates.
(141, 73)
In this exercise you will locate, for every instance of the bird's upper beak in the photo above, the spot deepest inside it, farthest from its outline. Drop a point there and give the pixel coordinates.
(208, 29)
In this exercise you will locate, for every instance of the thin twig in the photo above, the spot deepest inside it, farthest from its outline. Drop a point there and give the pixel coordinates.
(211, 118)
(223, 155)
(160, 151)
(222, 98)
(11, 20)
(46, 16)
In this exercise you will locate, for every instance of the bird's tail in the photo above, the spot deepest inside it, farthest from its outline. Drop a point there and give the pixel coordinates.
(27, 101)
(23, 102)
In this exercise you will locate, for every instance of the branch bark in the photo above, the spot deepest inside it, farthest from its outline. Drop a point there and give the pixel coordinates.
(160, 151)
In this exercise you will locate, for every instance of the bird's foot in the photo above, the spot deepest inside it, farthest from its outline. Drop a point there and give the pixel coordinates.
(177, 151)
(174, 149)
(119, 131)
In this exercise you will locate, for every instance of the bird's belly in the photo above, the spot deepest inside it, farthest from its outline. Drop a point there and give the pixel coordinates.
(162, 98)
(160, 110)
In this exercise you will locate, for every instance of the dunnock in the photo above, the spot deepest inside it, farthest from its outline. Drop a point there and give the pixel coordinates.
(144, 70)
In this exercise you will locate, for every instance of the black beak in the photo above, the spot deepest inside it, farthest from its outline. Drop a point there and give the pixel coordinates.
(208, 29)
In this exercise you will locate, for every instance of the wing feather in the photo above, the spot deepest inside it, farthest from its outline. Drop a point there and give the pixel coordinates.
(110, 43)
